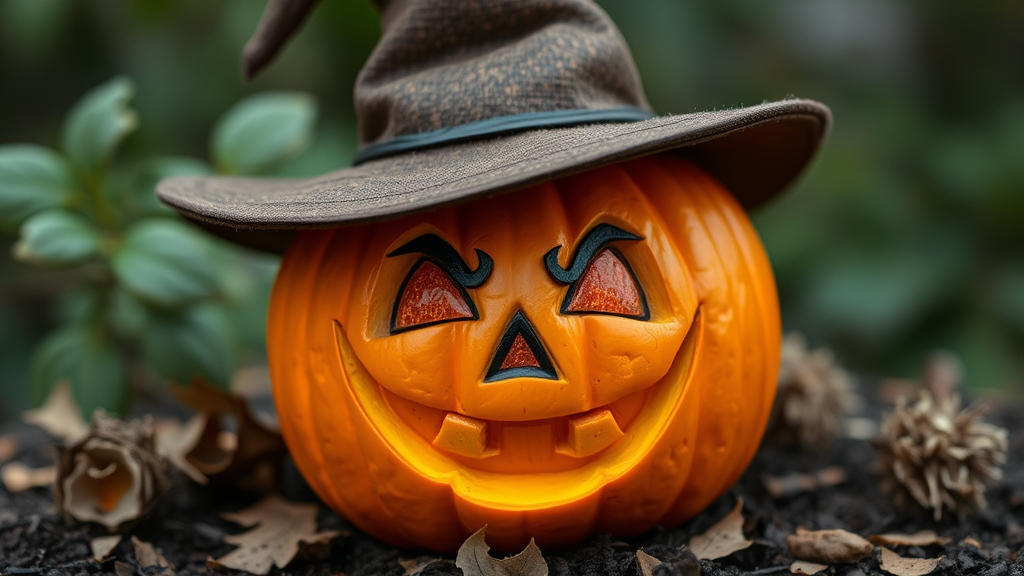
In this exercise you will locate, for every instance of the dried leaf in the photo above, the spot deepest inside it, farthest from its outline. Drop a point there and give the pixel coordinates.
(147, 557)
(8, 447)
(415, 566)
(474, 560)
(112, 476)
(103, 546)
(794, 484)
(806, 568)
(60, 415)
(722, 539)
(174, 440)
(17, 477)
(249, 459)
(922, 538)
(280, 526)
(895, 564)
(971, 542)
(123, 569)
(828, 546)
(646, 563)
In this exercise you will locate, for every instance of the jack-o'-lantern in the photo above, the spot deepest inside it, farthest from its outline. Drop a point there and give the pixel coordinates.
(595, 353)
(531, 305)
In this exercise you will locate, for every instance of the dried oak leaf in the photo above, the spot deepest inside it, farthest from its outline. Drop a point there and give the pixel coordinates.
(8, 447)
(280, 527)
(474, 560)
(806, 568)
(682, 564)
(113, 475)
(722, 539)
(812, 396)
(895, 564)
(646, 563)
(151, 558)
(937, 457)
(248, 459)
(174, 440)
(922, 538)
(59, 415)
(102, 547)
(828, 546)
(17, 477)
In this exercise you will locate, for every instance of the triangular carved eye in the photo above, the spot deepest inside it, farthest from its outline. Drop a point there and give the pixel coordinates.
(430, 296)
(607, 286)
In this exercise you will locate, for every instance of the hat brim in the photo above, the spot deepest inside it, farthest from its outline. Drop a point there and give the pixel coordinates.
(756, 152)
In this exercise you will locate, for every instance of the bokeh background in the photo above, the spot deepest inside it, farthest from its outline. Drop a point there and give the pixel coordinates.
(906, 235)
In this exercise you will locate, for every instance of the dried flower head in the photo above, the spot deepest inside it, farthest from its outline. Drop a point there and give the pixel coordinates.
(939, 457)
(113, 475)
(813, 395)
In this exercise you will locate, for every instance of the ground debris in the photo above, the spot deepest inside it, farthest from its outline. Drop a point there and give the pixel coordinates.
(102, 547)
(59, 415)
(897, 565)
(722, 539)
(149, 557)
(112, 475)
(922, 538)
(828, 546)
(806, 568)
(280, 527)
(474, 559)
(247, 458)
(17, 477)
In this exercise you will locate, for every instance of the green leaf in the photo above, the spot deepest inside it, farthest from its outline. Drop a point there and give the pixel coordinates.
(32, 178)
(126, 314)
(98, 123)
(183, 344)
(57, 238)
(89, 363)
(165, 262)
(262, 131)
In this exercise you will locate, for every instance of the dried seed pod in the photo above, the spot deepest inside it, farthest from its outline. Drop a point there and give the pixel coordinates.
(938, 457)
(812, 397)
(113, 476)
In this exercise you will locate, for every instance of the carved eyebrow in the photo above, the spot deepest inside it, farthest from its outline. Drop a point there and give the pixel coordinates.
(449, 259)
(594, 240)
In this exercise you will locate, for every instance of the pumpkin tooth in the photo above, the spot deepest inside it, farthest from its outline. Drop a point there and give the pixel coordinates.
(464, 435)
(590, 433)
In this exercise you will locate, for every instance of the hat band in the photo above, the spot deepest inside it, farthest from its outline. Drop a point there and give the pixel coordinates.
(500, 125)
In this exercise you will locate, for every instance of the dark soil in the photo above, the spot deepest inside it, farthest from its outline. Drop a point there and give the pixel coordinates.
(34, 539)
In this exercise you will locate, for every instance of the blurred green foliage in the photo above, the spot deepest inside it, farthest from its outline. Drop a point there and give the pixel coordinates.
(906, 235)
(145, 288)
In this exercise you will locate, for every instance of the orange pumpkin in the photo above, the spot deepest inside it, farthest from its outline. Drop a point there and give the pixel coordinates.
(595, 353)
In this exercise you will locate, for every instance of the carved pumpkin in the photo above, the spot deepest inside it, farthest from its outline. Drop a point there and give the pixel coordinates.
(596, 353)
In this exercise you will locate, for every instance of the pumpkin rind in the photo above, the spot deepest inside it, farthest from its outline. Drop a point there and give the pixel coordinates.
(358, 405)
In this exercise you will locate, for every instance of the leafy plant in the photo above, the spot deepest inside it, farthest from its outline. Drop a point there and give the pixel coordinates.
(145, 287)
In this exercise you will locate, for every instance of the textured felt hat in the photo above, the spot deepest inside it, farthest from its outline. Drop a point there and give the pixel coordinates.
(468, 98)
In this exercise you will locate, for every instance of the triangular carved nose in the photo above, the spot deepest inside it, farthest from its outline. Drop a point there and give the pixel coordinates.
(520, 354)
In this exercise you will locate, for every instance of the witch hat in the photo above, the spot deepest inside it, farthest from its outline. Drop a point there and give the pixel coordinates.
(464, 99)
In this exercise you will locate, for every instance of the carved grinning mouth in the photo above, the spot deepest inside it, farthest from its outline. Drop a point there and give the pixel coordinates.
(587, 450)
